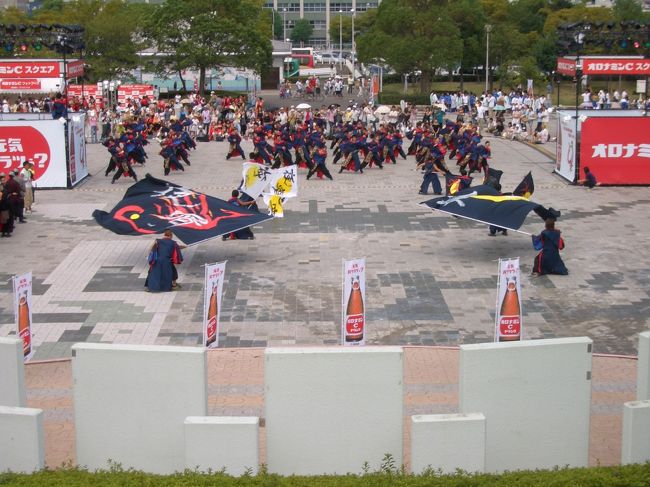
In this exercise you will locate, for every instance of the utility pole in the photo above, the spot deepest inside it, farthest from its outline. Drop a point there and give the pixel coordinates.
(488, 29)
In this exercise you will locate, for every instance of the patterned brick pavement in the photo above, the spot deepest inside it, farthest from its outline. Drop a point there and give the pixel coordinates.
(431, 278)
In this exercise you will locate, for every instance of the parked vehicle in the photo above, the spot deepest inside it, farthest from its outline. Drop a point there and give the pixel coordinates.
(330, 57)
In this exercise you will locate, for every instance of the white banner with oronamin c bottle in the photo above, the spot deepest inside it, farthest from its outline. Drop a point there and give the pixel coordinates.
(353, 329)
(23, 312)
(212, 303)
(508, 309)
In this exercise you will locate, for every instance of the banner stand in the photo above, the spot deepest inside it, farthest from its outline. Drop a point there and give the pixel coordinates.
(75, 137)
(22, 285)
(212, 293)
(57, 148)
(615, 155)
(508, 313)
(353, 319)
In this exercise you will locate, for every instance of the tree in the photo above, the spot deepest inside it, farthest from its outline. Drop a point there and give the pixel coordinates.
(530, 14)
(52, 5)
(411, 35)
(12, 15)
(110, 50)
(302, 31)
(341, 26)
(164, 31)
(469, 17)
(578, 13)
(546, 52)
(278, 28)
(112, 43)
(205, 34)
(528, 70)
(628, 10)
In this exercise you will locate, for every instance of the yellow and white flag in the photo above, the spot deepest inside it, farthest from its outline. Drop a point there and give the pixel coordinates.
(274, 202)
(255, 178)
(284, 181)
(283, 184)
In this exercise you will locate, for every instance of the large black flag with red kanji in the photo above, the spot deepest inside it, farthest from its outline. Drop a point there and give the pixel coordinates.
(152, 206)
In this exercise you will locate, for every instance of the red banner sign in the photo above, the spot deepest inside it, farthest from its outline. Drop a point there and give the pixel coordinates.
(39, 141)
(134, 92)
(603, 66)
(566, 66)
(20, 144)
(88, 91)
(20, 84)
(624, 66)
(74, 69)
(616, 149)
(29, 69)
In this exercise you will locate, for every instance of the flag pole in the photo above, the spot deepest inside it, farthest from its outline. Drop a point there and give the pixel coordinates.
(480, 221)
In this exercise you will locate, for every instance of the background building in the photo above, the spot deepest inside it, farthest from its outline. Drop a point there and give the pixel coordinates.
(320, 14)
(24, 5)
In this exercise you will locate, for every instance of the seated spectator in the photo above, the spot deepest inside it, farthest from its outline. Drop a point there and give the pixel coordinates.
(541, 137)
(500, 126)
(590, 180)
(519, 132)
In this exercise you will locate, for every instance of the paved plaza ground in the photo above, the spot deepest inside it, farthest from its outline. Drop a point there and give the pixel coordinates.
(431, 280)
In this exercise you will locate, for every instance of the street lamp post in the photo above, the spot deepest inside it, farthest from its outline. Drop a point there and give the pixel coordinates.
(105, 90)
(579, 38)
(63, 43)
(488, 29)
(284, 23)
(645, 97)
(353, 46)
(340, 34)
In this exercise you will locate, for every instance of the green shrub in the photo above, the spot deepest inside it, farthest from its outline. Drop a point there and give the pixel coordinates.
(392, 98)
(388, 475)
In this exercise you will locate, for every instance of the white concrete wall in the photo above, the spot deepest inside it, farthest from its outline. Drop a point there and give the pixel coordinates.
(635, 447)
(131, 402)
(12, 373)
(22, 446)
(448, 442)
(216, 443)
(536, 397)
(643, 368)
(329, 410)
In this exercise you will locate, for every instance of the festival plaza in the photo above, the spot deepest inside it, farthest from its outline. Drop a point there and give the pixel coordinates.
(212, 257)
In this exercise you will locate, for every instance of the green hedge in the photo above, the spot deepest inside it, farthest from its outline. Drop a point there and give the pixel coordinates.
(392, 98)
(233, 94)
(627, 476)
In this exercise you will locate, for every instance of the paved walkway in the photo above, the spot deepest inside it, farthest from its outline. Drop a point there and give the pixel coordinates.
(235, 387)
(431, 278)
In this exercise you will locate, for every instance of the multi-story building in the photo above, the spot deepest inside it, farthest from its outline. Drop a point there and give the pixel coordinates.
(600, 3)
(24, 5)
(320, 14)
(645, 4)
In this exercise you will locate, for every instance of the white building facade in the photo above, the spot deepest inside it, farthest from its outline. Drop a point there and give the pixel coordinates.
(320, 14)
